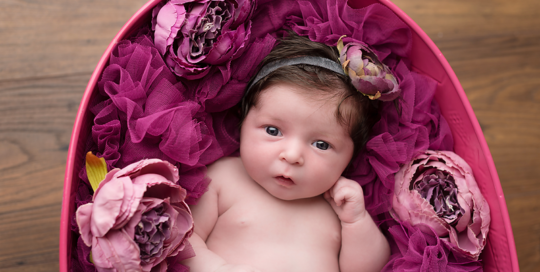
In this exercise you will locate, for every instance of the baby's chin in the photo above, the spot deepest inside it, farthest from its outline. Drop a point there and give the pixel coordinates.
(292, 196)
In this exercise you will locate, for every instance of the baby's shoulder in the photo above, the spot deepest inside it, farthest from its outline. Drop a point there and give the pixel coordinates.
(225, 164)
(226, 169)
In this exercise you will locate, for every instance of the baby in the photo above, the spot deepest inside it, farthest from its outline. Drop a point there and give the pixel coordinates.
(283, 204)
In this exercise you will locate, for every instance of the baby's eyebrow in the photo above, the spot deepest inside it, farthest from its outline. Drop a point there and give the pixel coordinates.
(272, 118)
(326, 135)
(270, 114)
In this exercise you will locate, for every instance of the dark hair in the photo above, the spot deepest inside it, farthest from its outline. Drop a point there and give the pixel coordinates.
(355, 111)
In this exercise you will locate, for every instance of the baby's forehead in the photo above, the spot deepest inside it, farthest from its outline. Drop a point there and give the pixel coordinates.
(286, 102)
(312, 95)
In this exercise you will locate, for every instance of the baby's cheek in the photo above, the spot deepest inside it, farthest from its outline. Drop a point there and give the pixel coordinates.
(255, 159)
(328, 174)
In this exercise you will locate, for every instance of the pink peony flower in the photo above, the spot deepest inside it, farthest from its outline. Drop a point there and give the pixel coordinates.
(138, 218)
(368, 74)
(192, 35)
(437, 189)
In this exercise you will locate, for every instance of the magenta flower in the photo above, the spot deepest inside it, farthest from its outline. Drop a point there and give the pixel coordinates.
(138, 218)
(437, 189)
(368, 74)
(192, 35)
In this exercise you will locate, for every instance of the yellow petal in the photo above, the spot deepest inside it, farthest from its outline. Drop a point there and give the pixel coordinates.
(340, 43)
(361, 72)
(389, 76)
(96, 169)
(344, 65)
(373, 97)
(352, 73)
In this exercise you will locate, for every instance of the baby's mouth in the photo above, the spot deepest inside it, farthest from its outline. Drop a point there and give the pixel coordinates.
(284, 181)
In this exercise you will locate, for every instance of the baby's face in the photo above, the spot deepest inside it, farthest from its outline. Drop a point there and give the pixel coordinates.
(292, 145)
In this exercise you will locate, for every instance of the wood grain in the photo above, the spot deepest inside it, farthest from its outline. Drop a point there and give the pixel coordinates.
(48, 50)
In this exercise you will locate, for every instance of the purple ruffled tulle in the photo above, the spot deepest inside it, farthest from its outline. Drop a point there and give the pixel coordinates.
(144, 111)
(148, 113)
(80, 261)
(414, 250)
(397, 138)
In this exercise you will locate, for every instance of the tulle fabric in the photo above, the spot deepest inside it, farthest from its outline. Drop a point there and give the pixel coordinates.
(142, 110)
(149, 113)
(414, 250)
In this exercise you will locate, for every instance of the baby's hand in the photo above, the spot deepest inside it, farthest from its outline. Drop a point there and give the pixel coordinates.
(236, 268)
(347, 199)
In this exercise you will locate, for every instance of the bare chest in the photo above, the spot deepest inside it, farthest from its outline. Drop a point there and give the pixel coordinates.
(256, 228)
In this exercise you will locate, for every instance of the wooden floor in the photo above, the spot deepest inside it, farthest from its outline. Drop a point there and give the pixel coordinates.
(48, 50)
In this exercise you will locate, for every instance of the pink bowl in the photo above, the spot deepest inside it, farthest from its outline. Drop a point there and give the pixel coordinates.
(499, 253)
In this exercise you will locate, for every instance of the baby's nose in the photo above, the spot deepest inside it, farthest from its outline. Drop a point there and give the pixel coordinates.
(292, 154)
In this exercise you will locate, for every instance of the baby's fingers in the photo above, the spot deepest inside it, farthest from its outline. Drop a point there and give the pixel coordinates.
(347, 199)
(344, 194)
(346, 190)
(329, 196)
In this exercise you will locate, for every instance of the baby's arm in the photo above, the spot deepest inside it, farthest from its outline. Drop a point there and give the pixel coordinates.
(363, 246)
(205, 215)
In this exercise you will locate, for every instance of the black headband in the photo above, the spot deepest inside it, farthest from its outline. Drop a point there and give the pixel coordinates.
(309, 60)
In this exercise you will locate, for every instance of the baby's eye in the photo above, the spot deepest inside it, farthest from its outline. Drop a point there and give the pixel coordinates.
(273, 131)
(322, 145)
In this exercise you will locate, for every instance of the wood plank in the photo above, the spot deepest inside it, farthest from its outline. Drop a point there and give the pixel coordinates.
(44, 38)
(47, 53)
(451, 19)
(35, 128)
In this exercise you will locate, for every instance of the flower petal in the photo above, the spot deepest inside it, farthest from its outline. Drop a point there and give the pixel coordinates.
(180, 230)
(167, 170)
(107, 206)
(430, 220)
(83, 216)
(133, 194)
(169, 20)
(115, 252)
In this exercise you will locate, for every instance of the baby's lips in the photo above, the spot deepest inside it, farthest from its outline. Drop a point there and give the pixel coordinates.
(285, 181)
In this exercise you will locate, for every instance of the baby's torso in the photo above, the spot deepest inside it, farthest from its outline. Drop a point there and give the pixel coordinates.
(258, 229)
